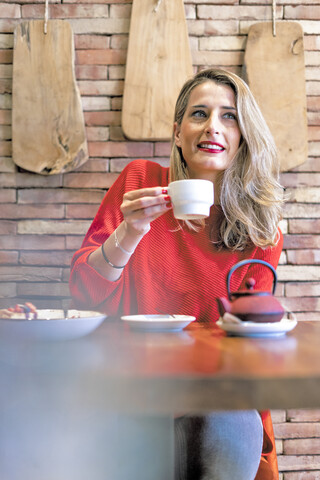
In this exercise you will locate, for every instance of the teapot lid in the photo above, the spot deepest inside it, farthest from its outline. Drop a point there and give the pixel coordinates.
(250, 283)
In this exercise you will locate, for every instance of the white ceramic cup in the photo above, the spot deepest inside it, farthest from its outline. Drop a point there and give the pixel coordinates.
(191, 199)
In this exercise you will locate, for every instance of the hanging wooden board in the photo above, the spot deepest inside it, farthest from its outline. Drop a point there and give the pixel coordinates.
(48, 133)
(158, 63)
(275, 71)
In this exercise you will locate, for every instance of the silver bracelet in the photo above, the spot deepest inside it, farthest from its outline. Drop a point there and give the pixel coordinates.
(123, 250)
(108, 261)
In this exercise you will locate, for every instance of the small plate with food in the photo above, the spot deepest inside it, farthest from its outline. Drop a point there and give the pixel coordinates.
(26, 322)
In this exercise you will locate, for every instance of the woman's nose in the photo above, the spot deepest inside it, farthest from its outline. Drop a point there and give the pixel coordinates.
(212, 126)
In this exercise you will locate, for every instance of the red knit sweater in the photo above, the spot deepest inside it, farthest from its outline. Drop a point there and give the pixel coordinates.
(173, 270)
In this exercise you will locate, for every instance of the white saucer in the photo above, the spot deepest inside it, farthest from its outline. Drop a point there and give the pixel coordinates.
(158, 323)
(252, 329)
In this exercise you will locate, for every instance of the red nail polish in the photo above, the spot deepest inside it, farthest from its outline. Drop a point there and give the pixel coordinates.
(167, 198)
(169, 205)
(164, 191)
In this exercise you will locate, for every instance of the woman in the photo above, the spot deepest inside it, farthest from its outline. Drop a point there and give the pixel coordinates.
(137, 258)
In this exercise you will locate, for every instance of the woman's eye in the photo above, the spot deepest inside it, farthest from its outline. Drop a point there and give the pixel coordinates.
(199, 113)
(230, 115)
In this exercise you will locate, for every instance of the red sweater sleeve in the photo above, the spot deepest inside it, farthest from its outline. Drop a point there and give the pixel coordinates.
(88, 288)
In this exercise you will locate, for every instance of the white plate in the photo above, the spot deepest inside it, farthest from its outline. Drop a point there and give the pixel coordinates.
(252, 329)
(51, 325)
(158, 323)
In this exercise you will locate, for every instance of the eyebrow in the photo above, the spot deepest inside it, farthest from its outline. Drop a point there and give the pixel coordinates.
(225, 107)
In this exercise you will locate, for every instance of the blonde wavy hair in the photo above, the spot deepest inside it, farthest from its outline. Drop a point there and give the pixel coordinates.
(250, 194)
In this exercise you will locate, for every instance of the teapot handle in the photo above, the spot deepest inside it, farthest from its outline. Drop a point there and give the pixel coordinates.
(245, 262)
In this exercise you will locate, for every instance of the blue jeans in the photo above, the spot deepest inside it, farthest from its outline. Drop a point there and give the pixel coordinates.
(218, 446)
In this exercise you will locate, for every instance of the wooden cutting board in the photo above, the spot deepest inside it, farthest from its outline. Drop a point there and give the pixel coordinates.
(275, 71)
(48, 133)
(158, 63)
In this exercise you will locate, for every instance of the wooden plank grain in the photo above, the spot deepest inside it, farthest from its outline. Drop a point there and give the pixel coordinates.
(158, 63)
(48, 134)
(275, 71)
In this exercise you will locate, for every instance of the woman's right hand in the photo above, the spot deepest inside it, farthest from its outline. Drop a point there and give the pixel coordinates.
(141, 207)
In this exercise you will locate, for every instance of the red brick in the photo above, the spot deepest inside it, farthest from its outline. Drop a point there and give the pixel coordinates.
(119, 42)
(52, 227)
(120, 11)
(85, 42)
(7, 227)
(297, 430)
(307, 316)
(60, 196)
(43, 289)
(102, 118)
(96, 134)
(10, 11)
(73, 242)
(217, 59)
(27, 180)
(8, 257)
(301, 241)
(116, 72)
(303, 475)
(5, 85)
(8, 25)
(90, 180)
(301, 304)
(116, 103)
(32, 242)
(303, 415)
(313, 133)
(55, 259)
(299, 179)
(14, 211)
(302, 12)
(102, 87)
(162, 149)
(35, 274)
(96, 1)
(302, 446)
(8, 289)
(310, 165)
(5, 149)
(304, 226)
(101, 57)
(7, 195)
(121, 149)
(91, 72)
(301, 210)
(235, 12)
(65, 274)
(67, 11)
(95, 165)
(313, 104)
(311, 42)
(308, 289)
(5, 117)
(298, 462)
(81, 211)
(303, 257)
(5, 56)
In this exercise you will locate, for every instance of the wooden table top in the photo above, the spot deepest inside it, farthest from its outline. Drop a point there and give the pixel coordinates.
(196, 370)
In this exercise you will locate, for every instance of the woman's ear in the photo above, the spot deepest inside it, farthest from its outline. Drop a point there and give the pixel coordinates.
(176, 131)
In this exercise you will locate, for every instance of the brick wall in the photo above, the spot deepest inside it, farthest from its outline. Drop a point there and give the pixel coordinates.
(44, 218)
